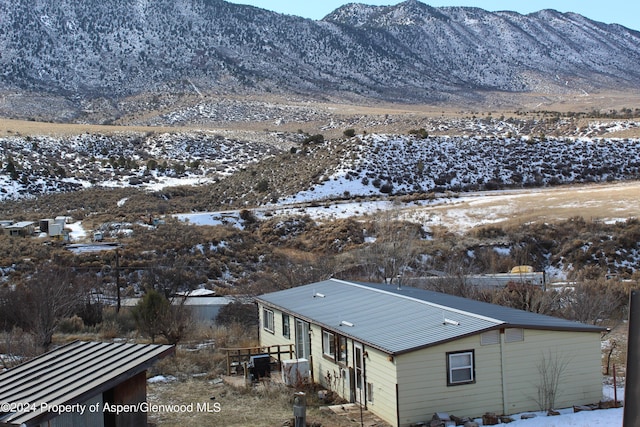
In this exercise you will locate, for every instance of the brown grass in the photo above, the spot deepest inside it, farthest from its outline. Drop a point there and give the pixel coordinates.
(10, 127)
(403, 116)
(603, 202)
(266, 405)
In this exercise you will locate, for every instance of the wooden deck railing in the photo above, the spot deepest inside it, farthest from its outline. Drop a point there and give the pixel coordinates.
(239, 357)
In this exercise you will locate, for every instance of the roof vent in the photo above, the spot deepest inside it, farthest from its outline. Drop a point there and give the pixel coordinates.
(345, 323)
(318, 295)
(450, 322)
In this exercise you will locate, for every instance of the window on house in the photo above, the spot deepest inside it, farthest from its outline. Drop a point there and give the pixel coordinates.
(286, 330)
(460, 368)
(329, 344)
(369, 392)
(513, 334)
(267, 320)
(342, 349)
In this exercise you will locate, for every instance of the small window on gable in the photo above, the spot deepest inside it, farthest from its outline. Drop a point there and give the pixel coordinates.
(286, 329)
(513, 334)
(490, 337)
(267, 320)
(460, 368)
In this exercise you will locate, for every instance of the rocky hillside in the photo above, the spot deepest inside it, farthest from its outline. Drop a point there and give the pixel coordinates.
(255, 169)
(87, 55)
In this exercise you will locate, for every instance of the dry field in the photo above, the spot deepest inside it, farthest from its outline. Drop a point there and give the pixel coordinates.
(10, 127)
(603, 202)
(385, 117)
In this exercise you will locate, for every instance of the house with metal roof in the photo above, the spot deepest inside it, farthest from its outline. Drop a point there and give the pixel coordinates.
(407, 353)
(80, 384)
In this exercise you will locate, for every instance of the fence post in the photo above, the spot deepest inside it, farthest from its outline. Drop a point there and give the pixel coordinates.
(300, 409)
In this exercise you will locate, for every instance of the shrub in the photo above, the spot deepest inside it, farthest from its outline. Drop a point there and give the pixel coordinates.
(71, 325)
(262, 186)
(247, 216)
(149, 312)
(238, 313)
(386, 188)
(421, 133)
(318, 138)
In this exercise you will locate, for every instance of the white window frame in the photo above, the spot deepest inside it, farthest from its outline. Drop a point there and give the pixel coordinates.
(329, 344)
(268, 320)
(370, 392)
(453, 365)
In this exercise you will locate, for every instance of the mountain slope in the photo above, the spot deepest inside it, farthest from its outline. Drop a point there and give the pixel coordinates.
(408, 52)
(275, 166)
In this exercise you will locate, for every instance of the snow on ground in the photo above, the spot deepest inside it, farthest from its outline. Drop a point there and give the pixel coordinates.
(78, 233)
(10, 189)
(161, 379)
(160, 183)
(567, 418)
(598, 418)
(212, 218)
(459, 213)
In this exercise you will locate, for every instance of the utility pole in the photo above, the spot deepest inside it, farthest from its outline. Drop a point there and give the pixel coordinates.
(632, 384)
(117, 280)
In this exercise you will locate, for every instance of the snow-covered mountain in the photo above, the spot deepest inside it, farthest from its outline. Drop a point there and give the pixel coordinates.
(408, 52)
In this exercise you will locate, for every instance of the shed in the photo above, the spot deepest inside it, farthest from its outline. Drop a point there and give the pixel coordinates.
(80, 383)
(204, 309)
(22, 228)
(407, 353)
(45, 223)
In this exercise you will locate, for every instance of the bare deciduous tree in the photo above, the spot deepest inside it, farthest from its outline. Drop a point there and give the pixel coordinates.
(595, 300)
(51, 294)
(551, 368)
(177, 321)
(389, 256)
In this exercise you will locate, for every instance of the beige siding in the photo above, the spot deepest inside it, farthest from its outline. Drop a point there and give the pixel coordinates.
(267, 338)
(421, 376)
(320, 364)
(423, 386)
(423, 390)
(581, 381)
(380, 371)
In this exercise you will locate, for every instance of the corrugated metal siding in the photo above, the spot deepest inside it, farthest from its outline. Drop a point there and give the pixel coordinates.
(89, 418)
(400, 320)
(72, 374)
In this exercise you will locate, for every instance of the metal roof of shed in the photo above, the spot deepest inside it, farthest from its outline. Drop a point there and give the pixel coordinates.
(399, 320)
(19, 225)
(71, 374)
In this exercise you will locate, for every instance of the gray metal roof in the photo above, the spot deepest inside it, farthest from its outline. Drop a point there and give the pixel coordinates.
(401, 320)
(71, 374)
